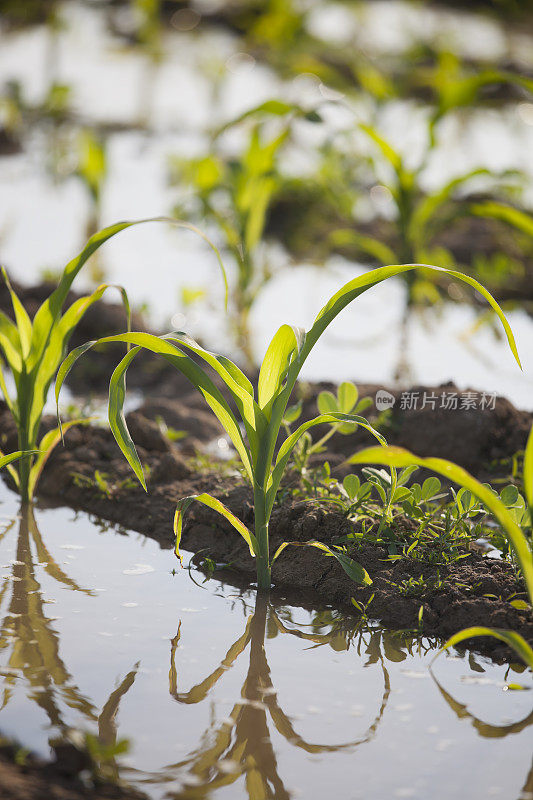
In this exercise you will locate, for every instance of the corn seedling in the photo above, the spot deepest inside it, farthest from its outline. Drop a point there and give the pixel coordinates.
(261, 413)
(457, 87)
(34, 349)
(235, 195)
(519, 542)
(419, 218)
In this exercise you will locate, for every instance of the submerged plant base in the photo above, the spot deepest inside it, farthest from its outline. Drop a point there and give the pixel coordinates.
(91, 474)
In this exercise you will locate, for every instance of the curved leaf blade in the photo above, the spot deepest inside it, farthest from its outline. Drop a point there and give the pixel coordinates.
(50, 310)
(354, 570)
(182, 362)
(211, 502)
(117, 420)
(512, 639)
(354, 288)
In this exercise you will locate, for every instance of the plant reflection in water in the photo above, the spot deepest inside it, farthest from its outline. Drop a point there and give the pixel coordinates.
(241, 745)
(33, 648)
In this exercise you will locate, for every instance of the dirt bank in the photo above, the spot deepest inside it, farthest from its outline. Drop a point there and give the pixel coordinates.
(24, 776)
(454, 595)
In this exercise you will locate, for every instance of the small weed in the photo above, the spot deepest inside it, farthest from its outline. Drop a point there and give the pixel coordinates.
(363, 607)
(101, 482)
(170, 433)
(509, 509)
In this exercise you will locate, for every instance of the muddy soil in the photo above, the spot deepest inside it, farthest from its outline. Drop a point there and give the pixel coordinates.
(478, 440)
(59, 779)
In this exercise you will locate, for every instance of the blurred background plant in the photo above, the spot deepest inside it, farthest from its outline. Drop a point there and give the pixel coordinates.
(180, 89)
(235, 194)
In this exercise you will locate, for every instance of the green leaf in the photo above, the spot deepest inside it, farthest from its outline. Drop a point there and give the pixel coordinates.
(291, 441)
(45, 371)
(398, 457)
(405, 474)
(356, 287)
(354, 570)
(400, 494)
(21, 316)
(426, 210)
(528, 469)
(351, 484)
(509, 495)
(117, 421)
(512, 639)
(376, 249)
(276, 108)
(10, 345)
(512, 216)
(520, 605)
(348, 396)
(293, 412)
(50, 310)
(285, 342)
(327, 402)
(430, 487)
(237, 383)
(389, 153)
(211, 502)
(182, 362)
(10, 457)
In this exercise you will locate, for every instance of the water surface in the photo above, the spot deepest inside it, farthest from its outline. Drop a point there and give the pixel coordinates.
(225, 698)
(201, 82)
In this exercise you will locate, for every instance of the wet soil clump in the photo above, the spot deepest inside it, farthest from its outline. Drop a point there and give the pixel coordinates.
(473, 591)
(24, 776)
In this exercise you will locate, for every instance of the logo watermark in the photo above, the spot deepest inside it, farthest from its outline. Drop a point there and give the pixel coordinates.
(384, 400)
(448, 401)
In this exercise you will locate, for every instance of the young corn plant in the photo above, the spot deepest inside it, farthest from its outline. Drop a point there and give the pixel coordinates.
(235, 194)
(33, 351)
(419, 217)
(261, 413)
(507, 517)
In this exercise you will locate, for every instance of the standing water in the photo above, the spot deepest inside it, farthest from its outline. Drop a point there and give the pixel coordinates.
(222, 695)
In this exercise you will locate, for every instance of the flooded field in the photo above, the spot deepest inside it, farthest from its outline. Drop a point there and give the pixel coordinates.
(220, 695)
(383, 133)
(202, 81)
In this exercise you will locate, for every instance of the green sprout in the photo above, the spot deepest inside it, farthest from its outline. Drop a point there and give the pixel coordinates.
(261, 413)
(520, 543)
(235, 195)
(419, 217)
(34, 349)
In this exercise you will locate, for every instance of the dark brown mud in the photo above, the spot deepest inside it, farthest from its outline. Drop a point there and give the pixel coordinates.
(478, 438)
(454, 596)
(24, 776)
